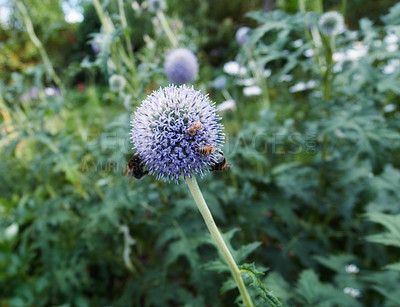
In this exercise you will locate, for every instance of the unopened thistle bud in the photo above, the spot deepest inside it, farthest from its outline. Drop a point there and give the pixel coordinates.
(181, 66)
(242, 35)
(117, 83)
(331, 23)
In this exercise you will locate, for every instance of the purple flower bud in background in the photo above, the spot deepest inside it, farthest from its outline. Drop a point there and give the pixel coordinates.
(219, 82)
(33, 93)
(181, 66)
(96, 44)
(160, 132)
(241, 35)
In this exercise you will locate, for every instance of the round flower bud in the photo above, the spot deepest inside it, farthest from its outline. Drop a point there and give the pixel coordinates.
(157, 5)
(219, 82)
(241, 35)
(331, 23)
(117, 83)
(161, 137)
(181, 66)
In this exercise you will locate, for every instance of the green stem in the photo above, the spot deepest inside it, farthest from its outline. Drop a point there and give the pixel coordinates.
(131, 63)
(167, 28)
(212, 227)
(318, 7)
(38, 44)
(343, 7)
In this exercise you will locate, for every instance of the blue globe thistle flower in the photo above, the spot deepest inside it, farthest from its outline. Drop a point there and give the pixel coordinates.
(331, 23)
(242, 36)
(160, 132)
(181, 66)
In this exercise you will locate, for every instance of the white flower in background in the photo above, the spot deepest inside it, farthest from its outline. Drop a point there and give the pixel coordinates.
(339, 56)
(252, 90)
(267, 73)
(298, 43)
(287, 78)
(389, 108)
(352, 291)
(392, 41)
(246, 82)
(308, 53)
(299, 87)
(117, 83)
(227, 105)
(356, 52)
(391, 38)
(11, 231)
(392, 47)
(311, 84)
(233, 68)
(391, 66)
(52, 91)
(351, 268)
(331, 23)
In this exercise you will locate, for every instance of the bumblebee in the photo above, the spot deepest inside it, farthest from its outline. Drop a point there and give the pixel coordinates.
(206, 150)
(192, 130)
(220, 163)
(134, 168)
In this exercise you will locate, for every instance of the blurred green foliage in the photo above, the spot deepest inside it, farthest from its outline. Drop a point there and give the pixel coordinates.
(313, 188)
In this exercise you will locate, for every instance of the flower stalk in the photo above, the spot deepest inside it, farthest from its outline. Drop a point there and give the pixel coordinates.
(38, 44)
(212, 227)
(167, 28)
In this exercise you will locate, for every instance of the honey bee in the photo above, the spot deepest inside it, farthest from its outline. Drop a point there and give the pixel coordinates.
(206, 150)
(134, 168)
(220, 163)
(192, 130)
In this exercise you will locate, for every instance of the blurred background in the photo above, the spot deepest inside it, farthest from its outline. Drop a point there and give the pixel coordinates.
(311, 123)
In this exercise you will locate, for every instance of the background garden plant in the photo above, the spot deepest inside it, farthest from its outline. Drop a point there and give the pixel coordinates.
(312, 197)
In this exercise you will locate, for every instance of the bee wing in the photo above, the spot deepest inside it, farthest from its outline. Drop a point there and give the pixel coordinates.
(125, 171)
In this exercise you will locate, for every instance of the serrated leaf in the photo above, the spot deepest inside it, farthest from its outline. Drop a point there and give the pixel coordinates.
(269, 298)
(391, 223)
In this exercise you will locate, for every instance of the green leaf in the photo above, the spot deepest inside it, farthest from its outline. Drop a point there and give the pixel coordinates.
(391, 223)
(269, 298)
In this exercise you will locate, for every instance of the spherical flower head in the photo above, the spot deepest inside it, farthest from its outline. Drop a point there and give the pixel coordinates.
(181, 66)
(242, 36)
(219, 82)
(117, 83)
(157, 5)
(160, 132)
(331, 23)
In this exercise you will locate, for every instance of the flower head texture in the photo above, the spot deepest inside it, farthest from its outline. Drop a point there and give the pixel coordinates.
(331, 23)
(159, 132)
(117, 83)
(242, 36)
(181, 66)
